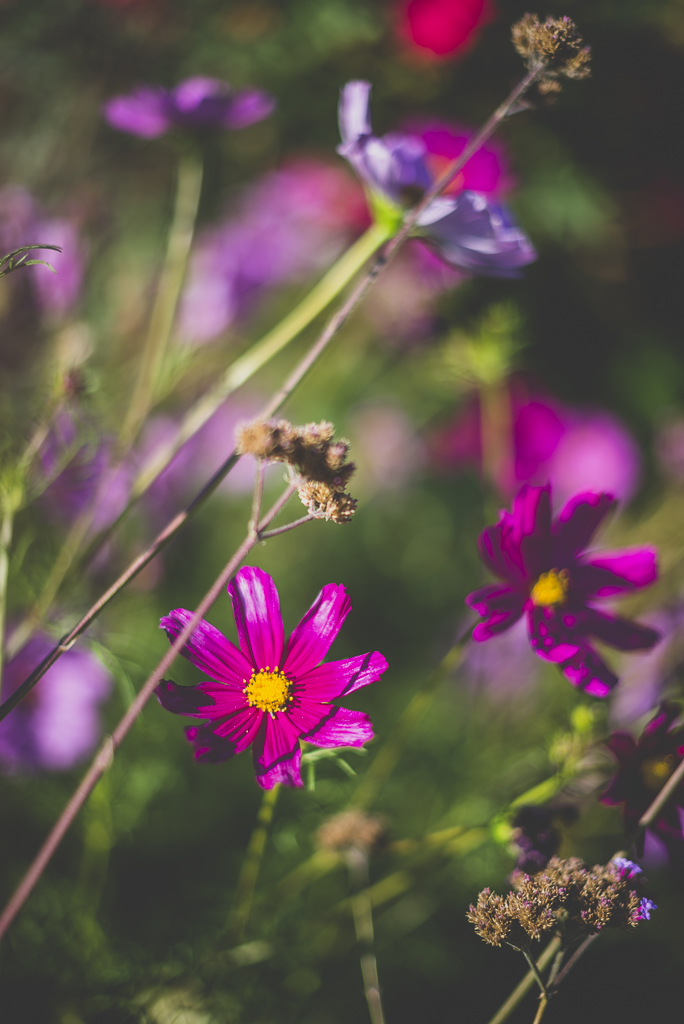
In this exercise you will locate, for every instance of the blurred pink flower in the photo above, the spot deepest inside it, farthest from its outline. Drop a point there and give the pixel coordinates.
(289, 225)
(572, 449)
(58, 723)
(441, 28)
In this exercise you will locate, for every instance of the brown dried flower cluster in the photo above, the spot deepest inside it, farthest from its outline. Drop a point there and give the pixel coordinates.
(317, 457)
(555, 45)
(565, 894)
(350, 830)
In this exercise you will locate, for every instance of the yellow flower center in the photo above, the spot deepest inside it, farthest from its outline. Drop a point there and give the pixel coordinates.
(657, 770)
(551, 588)
(269, 691)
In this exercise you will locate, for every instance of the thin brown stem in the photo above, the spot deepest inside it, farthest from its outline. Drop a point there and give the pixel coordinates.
(541, 1009)
(289, 526)
(105, 754)
(258, 495)
(572, 961)
(535, 970)
(521, 990)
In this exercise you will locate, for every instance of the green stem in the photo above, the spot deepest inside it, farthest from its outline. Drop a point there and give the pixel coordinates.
(244, 894)
(535, 970)
(392, 749)
(6, 527)
(179, 242)
(362, 911)
(521, 990)
(246, 365)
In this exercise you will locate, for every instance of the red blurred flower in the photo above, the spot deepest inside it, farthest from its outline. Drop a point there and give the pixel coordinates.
(442, 27)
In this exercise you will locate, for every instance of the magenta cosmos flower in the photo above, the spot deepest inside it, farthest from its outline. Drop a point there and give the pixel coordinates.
(442, 28)
(548, 577)
(645, 767)
(266, 692)
(198, 102)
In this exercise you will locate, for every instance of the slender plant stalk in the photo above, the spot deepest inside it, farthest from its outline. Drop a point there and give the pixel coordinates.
(541, 1009)
(105, 754)
(521, 990)
(580, 951)
(535, 970)
(300, 371)
(362, 909)
(6, 528)
(244, 893)
(188, 190)
(391, 750)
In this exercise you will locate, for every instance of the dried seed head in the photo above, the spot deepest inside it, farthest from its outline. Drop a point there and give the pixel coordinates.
(555, 45)
(351, 830)
(327, 502)
(268, 441)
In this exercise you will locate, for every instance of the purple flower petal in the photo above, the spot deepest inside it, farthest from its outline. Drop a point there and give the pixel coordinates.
(241, 728)
(589, 673)
(209, 650)
(192, 92)
(618, 572)
(311, 639)
(577, 522)
(550, 637)
(256, 608)
(619, 632)
(183, 700)
(287, 772)
(497, 553)
(532, 528)
(209, 748)
(247, 108)
(336, 678)
(276, 742)
(480, 236)
(500, 605)
(344, 728)
(145, 112)
(353, 111)
(623, 746)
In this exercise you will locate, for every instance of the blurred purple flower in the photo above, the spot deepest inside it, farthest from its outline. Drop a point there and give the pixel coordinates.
(468, 230)
(537, 835)
(571, 449)
(57, 724)
(291, 223)
(268, 693)
(198, 102)
(22, 223)
(644, 768)
(548, 578)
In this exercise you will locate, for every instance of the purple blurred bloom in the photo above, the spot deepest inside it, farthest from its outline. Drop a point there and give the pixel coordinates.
(571, 449)
(57, 724)
(537, 835)
(21, 223)
(268, 693)
(291, 223)
(198, 102)
(468, 230)
(644, 768)
(645, 908)
(628, 868)
(548, 578)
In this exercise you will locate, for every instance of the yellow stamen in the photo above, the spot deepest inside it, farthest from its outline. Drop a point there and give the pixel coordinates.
(269, 691)
(657, 770)
(551, 588)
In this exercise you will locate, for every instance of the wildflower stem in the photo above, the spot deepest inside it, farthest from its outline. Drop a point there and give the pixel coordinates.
(362, 909)
(105, 754)
(537, 976)
(391, 750)
(541, 1009)
(572, 961)
(6, 529)
(521, 990)
(258, 495)
(244, 893)
(289, 526)
(181, 231)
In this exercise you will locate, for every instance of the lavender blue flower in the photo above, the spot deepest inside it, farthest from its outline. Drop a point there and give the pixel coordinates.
(549, 579)
(628, 867)
(195, 103)
(645, 908)
(468, 230)
(266, 692)
(57, 725)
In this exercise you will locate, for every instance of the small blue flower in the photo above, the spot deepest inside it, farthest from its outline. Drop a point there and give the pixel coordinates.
(628, 867)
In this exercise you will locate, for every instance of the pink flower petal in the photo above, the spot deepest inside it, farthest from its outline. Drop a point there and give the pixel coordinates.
(532, 528)
(344, 728)
(184, 700)
(287, 772)
(241, 728)
(577, 523)
(256, 608)
(276, 741)
(501, 606)
(208, 649)
(617, 572)
(209, 748)
(336, 678)
(549, 636)
(311, 640)
(619, 632)
(589, 673)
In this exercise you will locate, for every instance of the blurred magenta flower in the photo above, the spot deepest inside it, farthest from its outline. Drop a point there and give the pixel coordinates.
(58, 723)
(548, 577)
(290, 224)
(574, 450)
(644, 768)
(21, 223)
(441, 28)
(268, 693)
(198, 102)
(467, 230)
